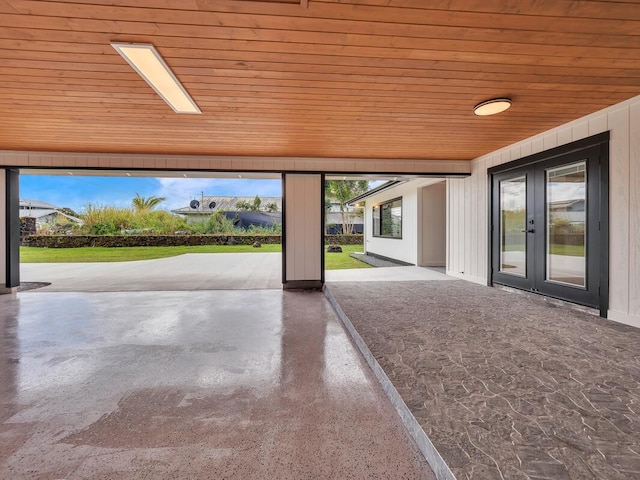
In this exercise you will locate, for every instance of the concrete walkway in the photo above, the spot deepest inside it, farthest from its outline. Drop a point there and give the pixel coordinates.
(385, 274)
(190, 385)
(196, 271)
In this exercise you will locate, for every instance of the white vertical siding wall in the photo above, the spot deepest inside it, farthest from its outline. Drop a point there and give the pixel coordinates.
(303, 204)
(467, 204)
(431, 224)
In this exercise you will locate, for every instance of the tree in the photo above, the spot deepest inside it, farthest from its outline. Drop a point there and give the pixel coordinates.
(256, 204)
(243, 206)
(341, 191)
(271, 207)
(146, 203)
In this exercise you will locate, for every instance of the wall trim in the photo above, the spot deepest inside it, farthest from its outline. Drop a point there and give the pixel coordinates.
(624, 318)
(302, 285)
(7, 290)
(468, 278)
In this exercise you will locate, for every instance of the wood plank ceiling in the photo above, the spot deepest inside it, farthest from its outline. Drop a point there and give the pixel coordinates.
(322, 78)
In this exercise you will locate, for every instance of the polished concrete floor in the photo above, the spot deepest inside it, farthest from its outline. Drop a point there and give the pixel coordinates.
(506, 385)
(189, 385)
(196, 271)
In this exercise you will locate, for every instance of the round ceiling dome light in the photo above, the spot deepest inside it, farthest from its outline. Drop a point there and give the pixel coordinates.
(492, 107)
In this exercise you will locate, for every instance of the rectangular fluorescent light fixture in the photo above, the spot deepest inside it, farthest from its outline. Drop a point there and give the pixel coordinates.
(146, 60)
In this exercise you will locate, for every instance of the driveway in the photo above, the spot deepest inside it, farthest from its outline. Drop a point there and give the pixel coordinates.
(194, 271)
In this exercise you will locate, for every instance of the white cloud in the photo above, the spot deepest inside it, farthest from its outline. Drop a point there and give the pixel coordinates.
(180, 191)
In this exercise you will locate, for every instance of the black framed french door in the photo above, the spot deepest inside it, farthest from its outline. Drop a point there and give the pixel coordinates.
(549, 224)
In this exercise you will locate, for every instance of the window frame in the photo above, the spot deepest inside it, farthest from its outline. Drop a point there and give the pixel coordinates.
(380, 206)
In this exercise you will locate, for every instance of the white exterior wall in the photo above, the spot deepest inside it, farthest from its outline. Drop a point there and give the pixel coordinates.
(406, 248)
(468, 204)
(432, 220)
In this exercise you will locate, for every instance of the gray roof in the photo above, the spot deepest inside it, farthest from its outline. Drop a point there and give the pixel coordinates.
(40, 213)
(37, 212)
(336, 219)
(27, 202)
(225, 204)
(373, 191)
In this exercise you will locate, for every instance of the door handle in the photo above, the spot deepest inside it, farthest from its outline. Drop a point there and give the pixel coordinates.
(531, 230)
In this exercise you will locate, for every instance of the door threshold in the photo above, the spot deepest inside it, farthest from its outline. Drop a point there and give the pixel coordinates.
(550, 300)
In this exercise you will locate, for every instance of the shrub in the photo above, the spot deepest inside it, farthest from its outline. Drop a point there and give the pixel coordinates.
(217, 222)
(275, 229)
(105, 220)
(157, 221)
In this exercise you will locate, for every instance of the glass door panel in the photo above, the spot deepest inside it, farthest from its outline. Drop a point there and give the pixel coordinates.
(566, 225)
(513, 226)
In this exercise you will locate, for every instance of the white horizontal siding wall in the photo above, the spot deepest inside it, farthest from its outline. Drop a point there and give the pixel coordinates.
(467, 204)
(39, 160)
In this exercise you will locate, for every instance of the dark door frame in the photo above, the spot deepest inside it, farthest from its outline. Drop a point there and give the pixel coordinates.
(595, 146)
(12, 226)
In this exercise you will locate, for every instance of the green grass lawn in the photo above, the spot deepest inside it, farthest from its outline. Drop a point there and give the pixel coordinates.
(341, 261)
(574, 250)
(556, 249)
(333, 261)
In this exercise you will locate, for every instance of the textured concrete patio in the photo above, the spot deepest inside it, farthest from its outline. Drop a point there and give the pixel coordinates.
(190, 385)
(506, 386)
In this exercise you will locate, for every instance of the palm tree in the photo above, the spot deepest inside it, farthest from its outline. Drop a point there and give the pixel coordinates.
(146, 203)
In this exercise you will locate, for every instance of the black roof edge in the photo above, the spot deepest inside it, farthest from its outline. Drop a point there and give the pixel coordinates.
(373, 191)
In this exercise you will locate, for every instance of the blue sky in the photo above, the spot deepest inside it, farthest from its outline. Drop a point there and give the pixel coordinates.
(77, 191)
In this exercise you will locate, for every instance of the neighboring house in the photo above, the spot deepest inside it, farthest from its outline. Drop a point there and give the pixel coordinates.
(199, 209)
(44, 212)
(334, 219)
(406, 221)
(573, 211)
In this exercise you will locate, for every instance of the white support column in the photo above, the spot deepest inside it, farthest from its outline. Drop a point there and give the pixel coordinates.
(303, 231)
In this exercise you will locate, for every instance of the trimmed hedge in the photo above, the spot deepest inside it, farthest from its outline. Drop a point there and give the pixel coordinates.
(344, 239)
(27, 226)
(74, 241)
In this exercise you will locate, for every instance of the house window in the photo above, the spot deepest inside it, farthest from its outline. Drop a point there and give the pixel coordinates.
(387, 219)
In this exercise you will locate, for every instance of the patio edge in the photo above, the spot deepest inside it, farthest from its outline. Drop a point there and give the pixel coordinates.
(426, 447)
